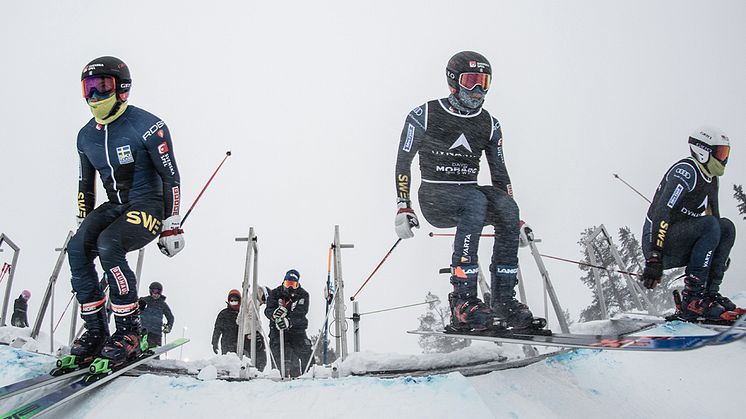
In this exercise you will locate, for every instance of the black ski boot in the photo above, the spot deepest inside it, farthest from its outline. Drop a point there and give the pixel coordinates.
(468, 312)
(87, 347)
(125, 343)
(90, 342)
(516, 314)
(695, 307)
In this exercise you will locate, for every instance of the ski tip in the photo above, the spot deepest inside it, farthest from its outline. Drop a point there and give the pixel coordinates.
(228, 153)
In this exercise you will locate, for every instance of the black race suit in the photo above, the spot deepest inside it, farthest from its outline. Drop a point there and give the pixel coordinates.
(683, 223)
(134, 157)
(450, 146)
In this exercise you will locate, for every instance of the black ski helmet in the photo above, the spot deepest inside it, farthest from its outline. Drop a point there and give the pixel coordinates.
(156, 286)
(465, 62)
(111, 66)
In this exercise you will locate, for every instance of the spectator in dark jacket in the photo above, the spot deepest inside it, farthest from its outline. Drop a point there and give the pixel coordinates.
(152, 315)
(287, 307)
(226, 331)
(20, 307)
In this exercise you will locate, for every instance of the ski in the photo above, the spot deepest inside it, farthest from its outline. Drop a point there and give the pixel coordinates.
(610, 342)
(36, 382)
(89, 382)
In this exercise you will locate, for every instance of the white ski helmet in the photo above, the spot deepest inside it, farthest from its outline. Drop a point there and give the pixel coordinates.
(711, 148)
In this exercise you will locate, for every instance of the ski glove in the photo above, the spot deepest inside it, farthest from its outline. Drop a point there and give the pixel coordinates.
(215, 349)
(651, 275)
(405, 220)
(171, 240)
(166, 328)
(282, 323)
(526, 234)
(280, 313)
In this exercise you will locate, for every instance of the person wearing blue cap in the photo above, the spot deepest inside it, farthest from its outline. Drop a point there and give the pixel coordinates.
(287, 307)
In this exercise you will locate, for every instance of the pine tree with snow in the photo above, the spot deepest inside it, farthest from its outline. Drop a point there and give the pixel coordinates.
(436, 318)
(741, 198)
(631, 253)
(617, 296)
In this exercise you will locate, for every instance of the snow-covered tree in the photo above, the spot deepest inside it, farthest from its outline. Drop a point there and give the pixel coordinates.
(618, 297)
(436, 318)
(741, 198)
(631, 253)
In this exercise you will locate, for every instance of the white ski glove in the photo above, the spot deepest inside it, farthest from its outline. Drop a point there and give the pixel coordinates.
(280, 313)
(405, 220)
(171, 240)
(282, 323)
(526, 234)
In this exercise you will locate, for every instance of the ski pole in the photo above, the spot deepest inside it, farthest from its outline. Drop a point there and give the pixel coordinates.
(630, 186)
(577, 262)
(63, 313)
(328, 301)
(375, 270)
(183, 220)
(431, 234)
(5, 270)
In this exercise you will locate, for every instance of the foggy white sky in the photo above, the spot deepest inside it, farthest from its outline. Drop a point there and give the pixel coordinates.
(311, 98)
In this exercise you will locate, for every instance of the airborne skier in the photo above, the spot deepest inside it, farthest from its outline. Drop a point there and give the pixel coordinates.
(450, 135)
(131, 150)
(683, 227)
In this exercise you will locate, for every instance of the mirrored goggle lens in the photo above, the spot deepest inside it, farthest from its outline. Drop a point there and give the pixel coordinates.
(470, 80)
(99, 85)
(233, 302)
(721, 153)
(290, 284)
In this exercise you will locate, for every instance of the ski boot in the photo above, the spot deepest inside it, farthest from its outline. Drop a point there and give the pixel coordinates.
(517, 315)
(87, 347)
(124, 345)
(713, 293)
(694, 307)
(468, 313)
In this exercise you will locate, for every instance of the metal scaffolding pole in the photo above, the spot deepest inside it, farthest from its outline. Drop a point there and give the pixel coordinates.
(251, 269)
(11, 274)
(50, 287)
(340, 324)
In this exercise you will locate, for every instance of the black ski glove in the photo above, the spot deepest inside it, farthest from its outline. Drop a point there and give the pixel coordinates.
(651, 275)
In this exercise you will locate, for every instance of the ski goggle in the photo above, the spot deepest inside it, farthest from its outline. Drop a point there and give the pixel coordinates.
(290, 284)
(155, 291)
(471, 80)
(721, 153)
(101, 86)
(233, 302)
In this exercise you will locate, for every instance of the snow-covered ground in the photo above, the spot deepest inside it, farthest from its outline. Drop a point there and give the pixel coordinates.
(577, 384)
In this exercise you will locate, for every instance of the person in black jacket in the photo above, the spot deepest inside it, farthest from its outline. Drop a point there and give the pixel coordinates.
(226, 331)
(287, 307)
(20, 306)
(152, 315)
(683, 227)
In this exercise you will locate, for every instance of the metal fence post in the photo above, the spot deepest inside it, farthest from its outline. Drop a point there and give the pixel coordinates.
(50, 286)
(11, 274)
(340, 323)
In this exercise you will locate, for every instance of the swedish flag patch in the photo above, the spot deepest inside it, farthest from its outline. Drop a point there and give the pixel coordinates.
(124, 154)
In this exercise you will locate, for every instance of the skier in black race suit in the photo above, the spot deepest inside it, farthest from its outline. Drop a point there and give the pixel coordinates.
(450, 135)
(132, 152)
(683, 227)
